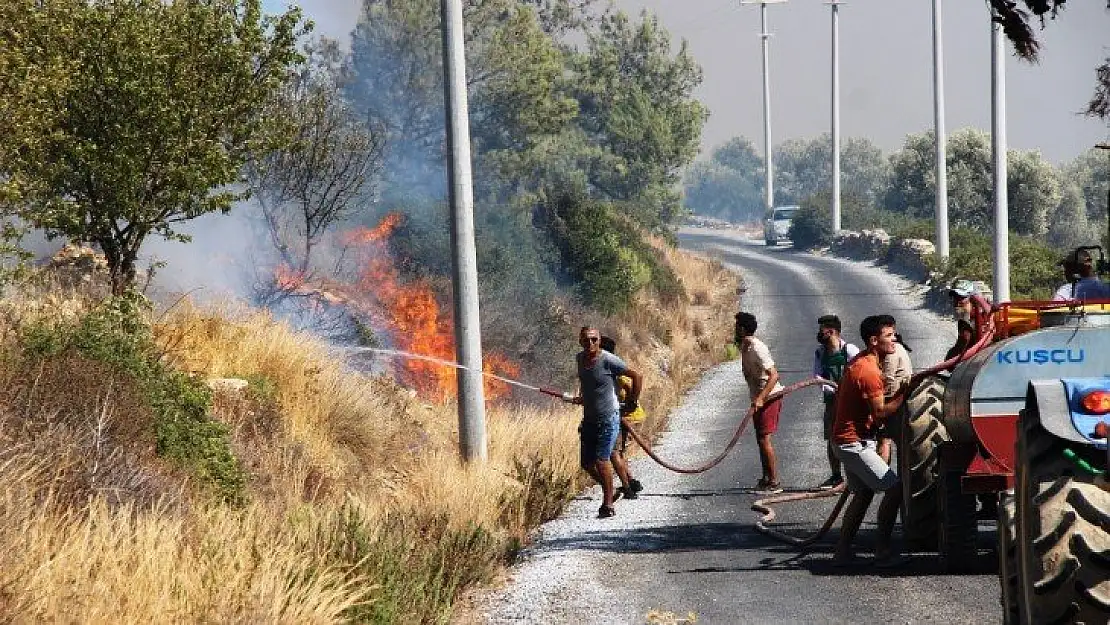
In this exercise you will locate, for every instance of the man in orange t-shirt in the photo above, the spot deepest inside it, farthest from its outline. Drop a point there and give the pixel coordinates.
(861, 407)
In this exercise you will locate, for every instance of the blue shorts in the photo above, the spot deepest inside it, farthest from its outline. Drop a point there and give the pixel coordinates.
(598, 437)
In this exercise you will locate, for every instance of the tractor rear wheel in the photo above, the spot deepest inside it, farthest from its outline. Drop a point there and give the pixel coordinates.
(1063, 531)
(1007, 557)
(959, 527)
(918, 442)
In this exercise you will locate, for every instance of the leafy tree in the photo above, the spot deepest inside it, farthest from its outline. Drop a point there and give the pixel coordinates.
(730, 185)
(1090, 171)
(515, 71)
(1033, 191)
(803, 167)
(1069, 227)
(162, 105)
(1033, 187)
(636, 99)
(970, 180)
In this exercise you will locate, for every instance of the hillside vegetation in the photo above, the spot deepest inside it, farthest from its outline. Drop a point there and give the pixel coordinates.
(137, 488)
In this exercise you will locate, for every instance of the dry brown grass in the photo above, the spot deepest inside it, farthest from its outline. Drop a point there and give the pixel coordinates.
(105, 564)
(95, 528)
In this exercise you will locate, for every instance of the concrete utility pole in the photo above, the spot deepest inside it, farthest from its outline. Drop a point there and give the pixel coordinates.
(940, 138)
(998, 148)
(835, 6)
(765, 36)
(468, 336)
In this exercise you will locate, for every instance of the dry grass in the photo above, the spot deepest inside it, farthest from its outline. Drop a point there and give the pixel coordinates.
(104, 564)
(359, 508)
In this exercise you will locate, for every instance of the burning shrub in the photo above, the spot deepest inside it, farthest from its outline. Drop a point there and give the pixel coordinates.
(117, 335)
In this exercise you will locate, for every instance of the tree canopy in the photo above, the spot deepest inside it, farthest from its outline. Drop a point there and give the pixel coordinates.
(146, 112)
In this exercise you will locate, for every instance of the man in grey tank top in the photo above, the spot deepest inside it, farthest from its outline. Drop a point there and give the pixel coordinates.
(597, 378)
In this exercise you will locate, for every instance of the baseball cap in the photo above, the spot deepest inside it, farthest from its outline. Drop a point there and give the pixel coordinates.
(963, 288)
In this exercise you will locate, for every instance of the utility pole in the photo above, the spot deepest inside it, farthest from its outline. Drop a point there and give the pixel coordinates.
(998, 149)
(940, 138)
(768, 166)
(835, 6)
(468, 336)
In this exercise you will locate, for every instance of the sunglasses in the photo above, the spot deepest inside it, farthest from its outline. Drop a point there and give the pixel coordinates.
(591, 339)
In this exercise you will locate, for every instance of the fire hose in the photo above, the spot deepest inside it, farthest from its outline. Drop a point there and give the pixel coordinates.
(765, 506)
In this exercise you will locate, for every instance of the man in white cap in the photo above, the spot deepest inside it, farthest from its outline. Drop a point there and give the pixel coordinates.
(966, 334)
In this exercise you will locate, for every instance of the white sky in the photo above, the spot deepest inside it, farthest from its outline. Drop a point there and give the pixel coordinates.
(886, 68)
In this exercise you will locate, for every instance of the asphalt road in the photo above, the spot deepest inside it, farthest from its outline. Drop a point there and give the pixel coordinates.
(689, 546)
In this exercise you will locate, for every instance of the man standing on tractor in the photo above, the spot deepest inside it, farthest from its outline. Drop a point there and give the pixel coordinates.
(829, 361)
(1081, 281)
(861, 407)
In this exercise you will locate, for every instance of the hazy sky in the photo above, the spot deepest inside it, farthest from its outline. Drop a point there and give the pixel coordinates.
(886, 68)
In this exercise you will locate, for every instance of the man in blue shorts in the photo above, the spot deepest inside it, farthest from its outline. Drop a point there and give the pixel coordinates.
(598, 371)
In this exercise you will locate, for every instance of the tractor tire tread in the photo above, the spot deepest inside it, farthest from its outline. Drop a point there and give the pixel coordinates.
(921, 435)
(1064, 518)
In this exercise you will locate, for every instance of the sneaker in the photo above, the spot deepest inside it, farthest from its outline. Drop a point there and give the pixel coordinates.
(634, 485)
(831, 483)
(627, 493)
(771, 488)
(604, 512)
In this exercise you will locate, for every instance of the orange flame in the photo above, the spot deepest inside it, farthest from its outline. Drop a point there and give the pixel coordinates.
(409, 312)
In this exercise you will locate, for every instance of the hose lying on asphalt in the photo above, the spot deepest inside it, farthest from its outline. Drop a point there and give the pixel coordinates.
(763, 506)
(646, 446)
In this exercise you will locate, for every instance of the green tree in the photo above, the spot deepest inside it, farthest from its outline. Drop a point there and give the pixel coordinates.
(1090, 171)
(636, 99)
(1033, 192)
(1033, 187)
(163, 104)
(970, 180)
(515, 70)
(803, 167)
(730, 185)
(1068, 226)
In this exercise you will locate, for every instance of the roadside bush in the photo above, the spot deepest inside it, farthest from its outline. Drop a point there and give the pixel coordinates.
(812, 225)
(1034, 272)
(602, 251)
(419, 566)
(116, 333)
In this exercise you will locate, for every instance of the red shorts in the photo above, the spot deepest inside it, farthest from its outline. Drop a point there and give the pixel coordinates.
(767, 420)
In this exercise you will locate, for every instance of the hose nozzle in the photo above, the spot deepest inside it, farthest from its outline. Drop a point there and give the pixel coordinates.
(554, 392)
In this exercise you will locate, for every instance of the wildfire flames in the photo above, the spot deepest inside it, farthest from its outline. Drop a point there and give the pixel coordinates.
(408, 312)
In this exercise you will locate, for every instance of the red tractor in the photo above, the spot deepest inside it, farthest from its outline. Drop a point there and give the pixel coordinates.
(1015, 428)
